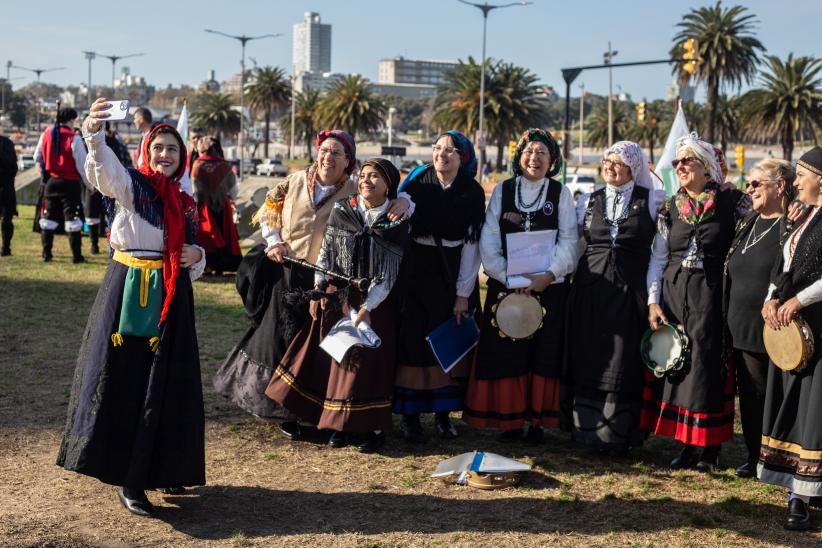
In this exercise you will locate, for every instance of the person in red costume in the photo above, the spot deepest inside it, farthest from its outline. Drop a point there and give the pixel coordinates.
(215, 188)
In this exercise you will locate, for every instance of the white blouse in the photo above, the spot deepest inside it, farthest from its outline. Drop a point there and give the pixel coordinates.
(565, 257)
(811, 294)
(130, 233)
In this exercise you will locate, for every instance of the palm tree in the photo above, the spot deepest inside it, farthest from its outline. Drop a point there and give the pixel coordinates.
(727, 47)
(214, 113)
(457, 102)
(351, 104)
(270, 90)
(597, 124)
(511, 102)
(306, 107)
(788, 101)
(728, 114)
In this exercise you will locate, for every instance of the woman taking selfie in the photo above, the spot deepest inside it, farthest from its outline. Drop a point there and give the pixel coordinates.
(135, 416)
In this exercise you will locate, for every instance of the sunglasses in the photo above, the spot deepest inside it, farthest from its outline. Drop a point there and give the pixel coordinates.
(684, 160)
(756, 184)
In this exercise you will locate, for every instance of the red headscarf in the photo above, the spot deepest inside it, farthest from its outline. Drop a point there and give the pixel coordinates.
(174, 204)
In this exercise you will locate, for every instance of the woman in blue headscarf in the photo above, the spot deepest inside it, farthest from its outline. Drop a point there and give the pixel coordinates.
(440, 276)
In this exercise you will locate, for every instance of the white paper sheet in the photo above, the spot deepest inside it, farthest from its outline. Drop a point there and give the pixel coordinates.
(528, 253)
(344, 335)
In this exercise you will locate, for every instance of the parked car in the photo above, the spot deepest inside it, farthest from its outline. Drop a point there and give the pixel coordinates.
(271, 167)
(250, 165)
(582, 184)
(25, 161)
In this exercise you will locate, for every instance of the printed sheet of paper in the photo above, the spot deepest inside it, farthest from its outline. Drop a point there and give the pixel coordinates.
(344, 335)
(529, 253)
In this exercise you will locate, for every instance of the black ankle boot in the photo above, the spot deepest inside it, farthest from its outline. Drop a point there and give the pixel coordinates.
(445, 429)
(94, 236)
(799, 516)
(686, 459)
(709, 461)
(76, 242)
(135, 501)
(8, 232)
(412, 429)
(47, 239)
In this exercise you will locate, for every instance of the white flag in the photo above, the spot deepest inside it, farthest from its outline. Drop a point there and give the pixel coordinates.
(664, 168)
(182, 124)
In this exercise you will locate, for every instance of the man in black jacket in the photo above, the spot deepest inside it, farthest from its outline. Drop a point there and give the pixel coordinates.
(8, 198)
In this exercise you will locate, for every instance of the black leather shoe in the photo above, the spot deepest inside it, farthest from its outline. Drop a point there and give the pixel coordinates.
(372, 443)
(444, 427)
(510, 436)
(747, 470)
(799, 516)
(535, 435)
(412, 429)
(338, 440)
(291, 429)
(139, 507)
(176, 490)
(686, 459)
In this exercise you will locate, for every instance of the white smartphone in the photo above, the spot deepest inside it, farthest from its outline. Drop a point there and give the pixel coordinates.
(118, 110)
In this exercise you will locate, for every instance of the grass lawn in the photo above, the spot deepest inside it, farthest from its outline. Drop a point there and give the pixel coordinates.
(264, 490)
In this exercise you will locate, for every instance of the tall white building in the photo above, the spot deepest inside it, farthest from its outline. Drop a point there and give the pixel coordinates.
(312, 45)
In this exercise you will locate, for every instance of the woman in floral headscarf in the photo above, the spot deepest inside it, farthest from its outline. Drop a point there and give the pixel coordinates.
(440, 281)
(695, 228)
(609, 303)
(516, 382)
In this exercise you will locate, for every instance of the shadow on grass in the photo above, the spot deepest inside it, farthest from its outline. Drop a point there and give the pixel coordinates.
(260, 512)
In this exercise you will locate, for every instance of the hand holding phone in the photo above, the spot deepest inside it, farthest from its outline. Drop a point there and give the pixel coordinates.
(118, 110)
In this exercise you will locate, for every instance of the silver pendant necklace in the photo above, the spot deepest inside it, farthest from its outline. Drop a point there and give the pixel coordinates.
(753, 238)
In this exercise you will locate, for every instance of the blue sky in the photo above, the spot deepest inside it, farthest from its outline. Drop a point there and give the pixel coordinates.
(545, 36)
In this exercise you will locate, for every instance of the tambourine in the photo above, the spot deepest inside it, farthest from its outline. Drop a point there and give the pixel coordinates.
(789, 347)
(517, 315)
(665, 350)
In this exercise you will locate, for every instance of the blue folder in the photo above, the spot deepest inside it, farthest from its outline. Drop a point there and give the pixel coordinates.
(451, 342)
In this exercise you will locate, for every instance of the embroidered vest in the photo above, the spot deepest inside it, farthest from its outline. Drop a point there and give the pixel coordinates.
(60, 163)
(303, 225)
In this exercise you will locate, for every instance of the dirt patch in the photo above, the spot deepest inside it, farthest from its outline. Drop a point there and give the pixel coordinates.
(264, 490)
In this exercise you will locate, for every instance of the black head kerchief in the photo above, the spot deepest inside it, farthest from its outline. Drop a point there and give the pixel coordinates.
(388, 172)
(812, 160)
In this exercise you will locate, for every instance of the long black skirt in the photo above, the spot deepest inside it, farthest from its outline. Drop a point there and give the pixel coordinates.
(244, 375)
(135, 416)
(696, 405)
(604, 370)
(791, 451)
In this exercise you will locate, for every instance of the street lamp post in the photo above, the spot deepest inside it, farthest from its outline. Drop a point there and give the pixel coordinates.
(90, 55)
(243, 39)
(581, 117)
(486, 8)
(391, 112)
(38, 72)
(114, 59)
(293, 111)
(608, 57)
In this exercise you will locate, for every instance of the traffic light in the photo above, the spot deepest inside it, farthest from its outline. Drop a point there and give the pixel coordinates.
(740, 157)
(691, 56)
(640, 111)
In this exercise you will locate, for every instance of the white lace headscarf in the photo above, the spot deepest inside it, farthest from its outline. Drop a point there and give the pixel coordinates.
(633, 156)
(692, 145)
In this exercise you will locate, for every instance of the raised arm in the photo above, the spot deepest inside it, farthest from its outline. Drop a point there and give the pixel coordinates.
(102, 167)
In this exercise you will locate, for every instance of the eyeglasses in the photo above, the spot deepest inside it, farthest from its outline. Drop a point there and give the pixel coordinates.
(756, 183)
(444, 150)
(684, 160)
(336, 154)
(538, 152)
(613, 163)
